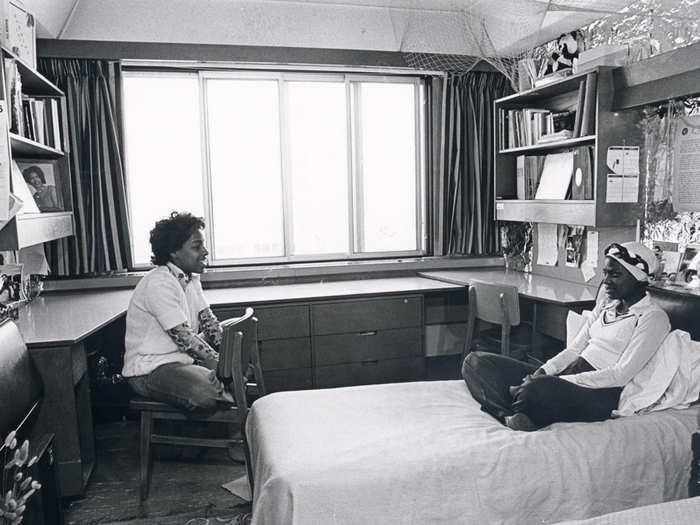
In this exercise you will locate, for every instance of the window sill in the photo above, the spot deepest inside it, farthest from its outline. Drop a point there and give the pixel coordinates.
(288, 273)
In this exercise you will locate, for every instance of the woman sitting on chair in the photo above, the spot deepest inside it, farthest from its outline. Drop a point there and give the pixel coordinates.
(584, 381)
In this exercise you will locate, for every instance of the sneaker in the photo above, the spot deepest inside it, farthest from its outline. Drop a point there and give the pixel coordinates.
(520, 421)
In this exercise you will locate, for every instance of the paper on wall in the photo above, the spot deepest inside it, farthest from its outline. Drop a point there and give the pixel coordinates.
(15, 205)
(34, 260)
(622, 188)
(623, 181)
(592, 248)
(4, 165)
(547, 244)
(587, 271)
(686, 165)
(556, 176)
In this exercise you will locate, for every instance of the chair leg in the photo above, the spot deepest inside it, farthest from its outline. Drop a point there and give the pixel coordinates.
(145, 454)
(249, 467)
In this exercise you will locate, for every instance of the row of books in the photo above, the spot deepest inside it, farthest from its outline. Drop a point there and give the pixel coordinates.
(533, 126)
(37, 119)
(565, 175)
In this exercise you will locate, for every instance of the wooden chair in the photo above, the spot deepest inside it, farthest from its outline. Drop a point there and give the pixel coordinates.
(496, 304)
(238, 357)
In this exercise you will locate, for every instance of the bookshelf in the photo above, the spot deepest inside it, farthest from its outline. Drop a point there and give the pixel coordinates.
(37, 133)
(593, 126)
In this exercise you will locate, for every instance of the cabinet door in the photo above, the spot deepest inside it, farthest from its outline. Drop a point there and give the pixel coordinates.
(342, 317)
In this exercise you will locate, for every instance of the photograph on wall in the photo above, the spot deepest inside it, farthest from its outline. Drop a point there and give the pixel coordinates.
(668, 258)
(42, 182)
(574, 245)
(690, 263)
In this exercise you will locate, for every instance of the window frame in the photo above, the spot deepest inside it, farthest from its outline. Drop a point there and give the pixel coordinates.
(353, 174)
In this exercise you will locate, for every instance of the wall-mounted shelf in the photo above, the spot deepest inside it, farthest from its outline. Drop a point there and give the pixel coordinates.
(33, 82)
(34, 228)
(24, 147)
(539, 148)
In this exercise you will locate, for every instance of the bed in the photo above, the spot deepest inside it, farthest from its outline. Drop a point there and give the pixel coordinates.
(424, 452)
(681, 512)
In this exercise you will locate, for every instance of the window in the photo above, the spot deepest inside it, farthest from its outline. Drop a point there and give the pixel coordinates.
(283, 166)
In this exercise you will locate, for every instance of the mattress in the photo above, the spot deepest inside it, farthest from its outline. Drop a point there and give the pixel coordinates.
(680, 512)
(424, 452)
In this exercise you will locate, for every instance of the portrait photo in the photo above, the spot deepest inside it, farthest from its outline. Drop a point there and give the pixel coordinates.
(41, 181)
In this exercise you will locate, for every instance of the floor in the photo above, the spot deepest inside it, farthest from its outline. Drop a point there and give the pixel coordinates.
(184, 489)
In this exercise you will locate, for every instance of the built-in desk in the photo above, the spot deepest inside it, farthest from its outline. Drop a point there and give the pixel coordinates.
(551, 298)
(55, 328)
(530, 286)
(258, 295)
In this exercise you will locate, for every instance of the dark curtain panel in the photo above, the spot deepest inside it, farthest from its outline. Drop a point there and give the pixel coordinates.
(96, 167)
(463, 189)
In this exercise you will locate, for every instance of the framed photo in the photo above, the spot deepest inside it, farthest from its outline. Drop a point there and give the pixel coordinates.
(690, 263)
(668, 256)
(43, 183)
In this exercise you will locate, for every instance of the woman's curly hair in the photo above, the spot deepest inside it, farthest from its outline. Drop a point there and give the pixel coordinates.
(171, 233)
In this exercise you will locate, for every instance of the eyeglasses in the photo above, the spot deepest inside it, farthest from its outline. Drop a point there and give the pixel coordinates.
(617, 250)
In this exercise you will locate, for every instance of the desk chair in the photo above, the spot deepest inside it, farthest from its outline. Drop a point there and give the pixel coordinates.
(496, 304)
(238, 357)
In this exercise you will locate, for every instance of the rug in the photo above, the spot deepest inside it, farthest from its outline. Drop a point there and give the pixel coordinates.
(239, 487)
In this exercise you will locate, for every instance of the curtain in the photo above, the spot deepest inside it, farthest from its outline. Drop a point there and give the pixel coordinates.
(463, 146)
(95, 166)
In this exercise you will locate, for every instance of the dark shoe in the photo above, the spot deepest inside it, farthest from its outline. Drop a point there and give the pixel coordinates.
(520, 421)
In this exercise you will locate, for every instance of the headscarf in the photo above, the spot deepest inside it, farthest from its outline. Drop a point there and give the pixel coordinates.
(634, 257)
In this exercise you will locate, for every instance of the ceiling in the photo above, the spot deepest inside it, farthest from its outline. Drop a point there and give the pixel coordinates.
(469, 27)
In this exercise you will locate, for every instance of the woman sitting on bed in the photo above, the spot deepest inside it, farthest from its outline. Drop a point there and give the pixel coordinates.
(584, 381)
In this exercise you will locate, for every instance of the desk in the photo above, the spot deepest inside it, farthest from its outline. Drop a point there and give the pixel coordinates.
(55, 328)
(530, 286)
(551, 298)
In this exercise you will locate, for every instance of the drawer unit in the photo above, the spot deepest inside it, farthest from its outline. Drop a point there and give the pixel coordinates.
(291, 379)
(283, 322)
(367, 346)
(340, 317)
(282, 354)
(370, 372)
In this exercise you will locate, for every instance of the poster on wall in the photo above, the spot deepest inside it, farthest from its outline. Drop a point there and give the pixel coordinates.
(686, 165)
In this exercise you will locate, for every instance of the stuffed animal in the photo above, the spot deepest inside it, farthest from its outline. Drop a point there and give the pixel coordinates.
(569, 45)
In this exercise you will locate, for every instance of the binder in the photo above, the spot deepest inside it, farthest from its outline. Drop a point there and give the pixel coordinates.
(579, 109)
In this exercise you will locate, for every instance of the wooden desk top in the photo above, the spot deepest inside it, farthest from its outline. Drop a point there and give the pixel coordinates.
(323, 290)
(531, 286)
(67, 318)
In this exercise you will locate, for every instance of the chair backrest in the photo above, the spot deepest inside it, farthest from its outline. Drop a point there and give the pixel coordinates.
(496, 303)
(20, 383)
(241, 335)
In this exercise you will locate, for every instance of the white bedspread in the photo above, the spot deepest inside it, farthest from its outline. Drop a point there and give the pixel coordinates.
(680, 512)
(424, 453)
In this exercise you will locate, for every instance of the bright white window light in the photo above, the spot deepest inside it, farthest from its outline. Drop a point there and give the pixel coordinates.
(162, 143)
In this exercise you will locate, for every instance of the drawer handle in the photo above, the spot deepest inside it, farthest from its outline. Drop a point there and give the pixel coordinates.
(366, 334)
(370, 362)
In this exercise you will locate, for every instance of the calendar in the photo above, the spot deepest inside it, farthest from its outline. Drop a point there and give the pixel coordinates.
(18, 33)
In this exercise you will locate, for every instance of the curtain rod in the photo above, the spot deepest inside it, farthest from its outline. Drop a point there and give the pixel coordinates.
(203, 64)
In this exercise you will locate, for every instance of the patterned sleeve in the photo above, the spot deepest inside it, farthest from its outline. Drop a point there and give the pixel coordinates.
(192, 344)
(209, 328)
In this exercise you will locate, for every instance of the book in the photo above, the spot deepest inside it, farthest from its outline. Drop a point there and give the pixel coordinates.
(556, 176)
(579, 109)
(589, 105)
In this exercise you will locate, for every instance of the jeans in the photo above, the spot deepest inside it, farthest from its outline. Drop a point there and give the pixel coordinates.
(183, 386)
(545, 399)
